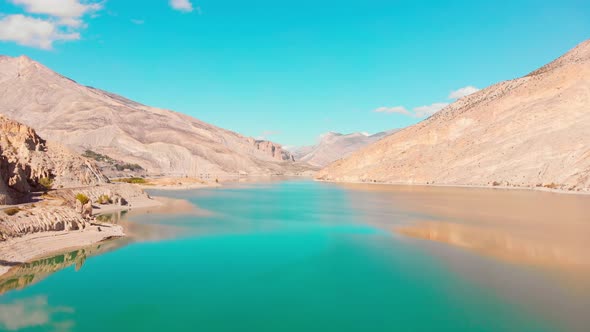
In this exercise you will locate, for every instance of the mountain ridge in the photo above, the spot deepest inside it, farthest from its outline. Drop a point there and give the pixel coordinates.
(161, 141)
(526, 132)
(333, 146)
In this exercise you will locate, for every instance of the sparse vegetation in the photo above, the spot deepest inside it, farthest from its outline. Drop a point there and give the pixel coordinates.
(132, 180)
(131, 167)
(104, 199)
(496, 183)
(98, 157)
(552, 186)
(12, 211)
(46, 183)
(82, 198)
(116, 164)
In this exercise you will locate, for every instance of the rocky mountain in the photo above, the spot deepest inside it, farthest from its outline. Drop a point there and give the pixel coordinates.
(528, 132)
(160, 141)
(29, 163)
(333, 146)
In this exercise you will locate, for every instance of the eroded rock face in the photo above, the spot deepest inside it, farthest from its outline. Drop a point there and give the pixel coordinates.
(27, 162)
(271, 149)
(528, 132)
(40, 219)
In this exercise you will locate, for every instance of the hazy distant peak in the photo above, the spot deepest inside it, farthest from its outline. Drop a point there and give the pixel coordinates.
(333, 146)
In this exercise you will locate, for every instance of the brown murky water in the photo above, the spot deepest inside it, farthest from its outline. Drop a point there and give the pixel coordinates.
(540, 240)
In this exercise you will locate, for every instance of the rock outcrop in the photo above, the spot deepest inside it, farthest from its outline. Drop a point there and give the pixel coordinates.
(29, 163)
(333, 146)
(61, 211)
(527, 132)
(39, 219)
(272, 149)
(160, 141)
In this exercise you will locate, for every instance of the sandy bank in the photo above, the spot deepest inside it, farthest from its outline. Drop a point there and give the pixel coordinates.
(37, 230)
(16, 251)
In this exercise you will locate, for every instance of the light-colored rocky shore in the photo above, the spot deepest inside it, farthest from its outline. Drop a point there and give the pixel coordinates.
(56, 223)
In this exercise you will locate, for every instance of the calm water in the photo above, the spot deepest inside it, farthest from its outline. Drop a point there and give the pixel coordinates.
(305, 256)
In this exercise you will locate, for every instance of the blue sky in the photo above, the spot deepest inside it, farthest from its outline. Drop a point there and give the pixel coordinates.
(292, 70)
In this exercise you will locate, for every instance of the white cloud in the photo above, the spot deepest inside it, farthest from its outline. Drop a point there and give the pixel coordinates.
(394, 109)
(465, 91)
(59, 8)
(265, 134)
(428, 110)
(138, 22)
(182, 5)
(28, 31)
(417, 112)
(54, 20)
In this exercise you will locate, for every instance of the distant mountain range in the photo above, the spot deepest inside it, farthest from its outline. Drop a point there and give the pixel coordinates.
(333, 146)
(159, 141)
(533, 131)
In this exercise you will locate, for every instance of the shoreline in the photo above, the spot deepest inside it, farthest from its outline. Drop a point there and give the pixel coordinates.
(30, 247)
(18, 250)
(465, 186)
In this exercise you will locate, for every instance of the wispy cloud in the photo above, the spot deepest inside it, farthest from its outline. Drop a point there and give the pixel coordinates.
(53, 20)
(138, 22)
(183, 6)
(265, 134)
(416, 112)
(428, 110)
(59, 8)
(463, 92)
(394, 109)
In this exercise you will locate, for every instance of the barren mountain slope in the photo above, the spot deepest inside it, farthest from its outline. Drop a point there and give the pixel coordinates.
(531, 131)
(161, 141)
(27, 162)
(333, 146)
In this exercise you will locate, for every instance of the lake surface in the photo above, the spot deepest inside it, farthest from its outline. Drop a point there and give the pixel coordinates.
(304, 256)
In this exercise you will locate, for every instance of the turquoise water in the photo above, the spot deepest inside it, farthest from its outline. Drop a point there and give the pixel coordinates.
(277, 256)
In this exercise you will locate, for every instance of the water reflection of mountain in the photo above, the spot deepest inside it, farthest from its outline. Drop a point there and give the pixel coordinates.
(27, 274)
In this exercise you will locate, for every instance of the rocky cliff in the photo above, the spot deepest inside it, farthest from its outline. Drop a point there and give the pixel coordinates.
(160, 141)
(29, 163)
(527, 132)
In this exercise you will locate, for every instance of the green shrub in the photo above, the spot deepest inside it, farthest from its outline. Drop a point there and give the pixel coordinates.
(132, 180)
(82, 198)
(98, 157)
(104, 199)
(47, 183)
(12, 211)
